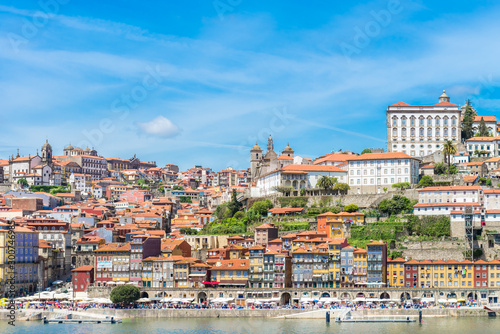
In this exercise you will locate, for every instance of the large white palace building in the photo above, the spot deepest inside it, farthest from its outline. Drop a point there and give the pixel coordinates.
(422, 130)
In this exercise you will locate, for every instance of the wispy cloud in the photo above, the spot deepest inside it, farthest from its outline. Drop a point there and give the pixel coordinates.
(223, 81)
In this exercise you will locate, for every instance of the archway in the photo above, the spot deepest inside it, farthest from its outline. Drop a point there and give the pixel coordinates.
(202, 297)
(285, 299)
(405, 296)
(325, 295)
(451, 295)
(345, 296)
(144, 294)
(472, 295)
(385, 295)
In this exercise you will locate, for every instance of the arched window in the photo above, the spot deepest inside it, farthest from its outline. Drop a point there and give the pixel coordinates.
(429, 121)
(394, 132)
(403, 132)
(429, 132)
(412, 132)
(394, 121)
(453, 120)
(421, 132)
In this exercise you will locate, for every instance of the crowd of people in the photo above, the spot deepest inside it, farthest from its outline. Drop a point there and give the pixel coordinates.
(79, 306)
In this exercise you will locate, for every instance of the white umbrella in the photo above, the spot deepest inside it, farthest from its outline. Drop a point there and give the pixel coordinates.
(143, 300)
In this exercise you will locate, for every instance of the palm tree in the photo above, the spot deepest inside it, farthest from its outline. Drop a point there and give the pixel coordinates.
(326, 182)
(448, 149)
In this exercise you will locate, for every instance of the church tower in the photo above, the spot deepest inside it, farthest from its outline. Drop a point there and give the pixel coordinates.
(46, 153)
(288, 151)
(255, 158)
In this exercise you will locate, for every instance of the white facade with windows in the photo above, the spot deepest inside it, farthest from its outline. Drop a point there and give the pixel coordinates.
(421, 130)
(371, 172)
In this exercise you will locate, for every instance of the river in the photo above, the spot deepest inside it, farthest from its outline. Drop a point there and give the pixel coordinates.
(482, 325)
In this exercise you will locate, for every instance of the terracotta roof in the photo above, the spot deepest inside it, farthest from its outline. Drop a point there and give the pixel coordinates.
(470, 178)
(312, 168)
(84, 268)
(285, 210)
(265, 225)
(482, 139)
(380, 156)
(446, 104)
(485, 118)
(400, 104)
(445, 204)
(332, 157)
(284, 157)
(451, 188)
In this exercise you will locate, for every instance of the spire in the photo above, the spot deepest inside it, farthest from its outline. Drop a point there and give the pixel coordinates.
(17, 156)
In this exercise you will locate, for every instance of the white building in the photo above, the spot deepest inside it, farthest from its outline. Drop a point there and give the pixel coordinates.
(371, 172)
(483, 146)
(460, 157)
(489, 121)
(422, 130)
(297, 176)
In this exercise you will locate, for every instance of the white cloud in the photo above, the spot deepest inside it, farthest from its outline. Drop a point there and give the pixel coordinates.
(160, 126)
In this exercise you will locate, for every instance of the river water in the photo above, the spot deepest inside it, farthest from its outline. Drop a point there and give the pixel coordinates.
(462, 325)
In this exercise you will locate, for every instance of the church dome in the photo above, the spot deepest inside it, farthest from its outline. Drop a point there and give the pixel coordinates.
(69, 147)
(256, 148)
(87, 149)
(444, 95)
(288, 148)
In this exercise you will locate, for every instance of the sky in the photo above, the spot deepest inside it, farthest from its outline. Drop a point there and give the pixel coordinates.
(199, 82)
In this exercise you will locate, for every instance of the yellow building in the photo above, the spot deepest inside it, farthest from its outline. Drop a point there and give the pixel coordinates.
(334, 247)
(360, 266)
(494, 271)
(181, 273)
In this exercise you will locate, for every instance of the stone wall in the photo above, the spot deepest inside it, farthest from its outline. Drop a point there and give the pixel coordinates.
(432, 250)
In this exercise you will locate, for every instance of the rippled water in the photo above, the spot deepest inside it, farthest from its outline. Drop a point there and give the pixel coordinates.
(260, 326)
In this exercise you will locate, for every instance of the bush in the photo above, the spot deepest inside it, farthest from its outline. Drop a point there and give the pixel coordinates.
(262, 207)
(189, 231)
(126, 294)
(396, 205)
(426, 181)
(489, 183)
(239, 215)
(351, 208)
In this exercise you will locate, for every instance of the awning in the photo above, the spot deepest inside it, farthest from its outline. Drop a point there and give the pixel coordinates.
(360, 300)
(240, 292)
(211, 283)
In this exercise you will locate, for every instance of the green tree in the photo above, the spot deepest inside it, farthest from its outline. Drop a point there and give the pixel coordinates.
(326, 182)
(141, 182)
(426, 181)
(384, 189)
(341, 188)
(453, 169)
(366, 150)
(189, 231)
(395, 205)
(401, 185)
(483, 130)
(489, 183)
(125, 294)
(351, 208)
(262, 207)
(177, 188)
(185, 199)
(220, 210)
(440, 168)
(449, 149)
(23, 183)
(468, 121)
(234, 206)
(239, 215)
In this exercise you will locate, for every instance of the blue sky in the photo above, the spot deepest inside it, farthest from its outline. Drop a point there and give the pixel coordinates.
(198, 82)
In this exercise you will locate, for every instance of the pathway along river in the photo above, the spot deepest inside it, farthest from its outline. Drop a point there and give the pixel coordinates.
(482, 325)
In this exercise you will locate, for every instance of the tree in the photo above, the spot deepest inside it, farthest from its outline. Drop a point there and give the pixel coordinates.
(395, 205)
(489, 183)
(341, 188)
(23, 183)
(384, 189)
(284, 190)
(262, 207)
(453, 169)
(141, 182)
(239, 215)
(326, 182)
(426, 181)
(185, 199)
(234, 206)
(440, 169)
(448, 150)
(483, 130)
(468, 121)
(126, 294)
(401, 185)
(189, 231)
(366, 150)
(177, 188)
(351, 208)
